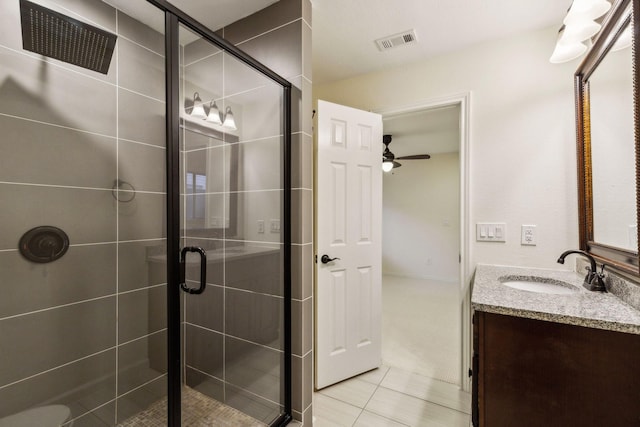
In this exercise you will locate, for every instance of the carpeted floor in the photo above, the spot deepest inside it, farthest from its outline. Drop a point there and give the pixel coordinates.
(421, 327)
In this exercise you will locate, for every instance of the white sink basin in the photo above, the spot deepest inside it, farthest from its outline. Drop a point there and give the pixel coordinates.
(541, 285)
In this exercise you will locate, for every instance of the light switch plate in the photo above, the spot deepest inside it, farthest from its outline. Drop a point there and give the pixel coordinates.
(491, 232)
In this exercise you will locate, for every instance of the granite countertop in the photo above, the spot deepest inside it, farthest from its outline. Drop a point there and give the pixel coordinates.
(581, 308)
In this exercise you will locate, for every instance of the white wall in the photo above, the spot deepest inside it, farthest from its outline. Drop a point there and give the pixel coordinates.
(421, 219)
(522, 142)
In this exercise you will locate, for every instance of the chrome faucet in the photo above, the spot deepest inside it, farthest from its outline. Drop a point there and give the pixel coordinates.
(594, 281)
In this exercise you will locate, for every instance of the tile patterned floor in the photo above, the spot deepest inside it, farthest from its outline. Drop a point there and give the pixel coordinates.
(391, 397)
(198, 410)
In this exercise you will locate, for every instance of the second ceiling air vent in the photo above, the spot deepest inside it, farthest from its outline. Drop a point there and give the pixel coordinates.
(389, 42)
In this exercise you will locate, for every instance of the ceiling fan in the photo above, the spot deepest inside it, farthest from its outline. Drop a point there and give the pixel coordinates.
(389, 159)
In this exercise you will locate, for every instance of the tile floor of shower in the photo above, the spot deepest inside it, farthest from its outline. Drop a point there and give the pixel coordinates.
(198, 410)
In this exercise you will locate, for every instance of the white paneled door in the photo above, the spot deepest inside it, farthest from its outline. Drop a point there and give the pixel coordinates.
(349, 247)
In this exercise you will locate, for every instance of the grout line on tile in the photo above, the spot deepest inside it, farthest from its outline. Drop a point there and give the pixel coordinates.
(142, 337)
(140, 45)
(419, 398)
(58, 126)
(42, 310)
(142, 143)
(57, 367)
(269, 31)
(141, 94)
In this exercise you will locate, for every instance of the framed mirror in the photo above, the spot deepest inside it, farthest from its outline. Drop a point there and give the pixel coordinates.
(210, 181)
(607, 141)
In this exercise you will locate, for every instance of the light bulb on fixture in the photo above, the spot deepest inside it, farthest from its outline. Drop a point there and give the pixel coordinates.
(586, 9)
(214, 114)
(229, 121)
(580, 32)
(198, 109)
(578, 28)
(565, 52)
(387, 165)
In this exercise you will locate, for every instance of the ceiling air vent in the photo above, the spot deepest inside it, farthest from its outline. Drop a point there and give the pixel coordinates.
(396, 40)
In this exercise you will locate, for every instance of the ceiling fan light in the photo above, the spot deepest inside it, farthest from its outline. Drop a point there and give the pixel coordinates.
(387, 165)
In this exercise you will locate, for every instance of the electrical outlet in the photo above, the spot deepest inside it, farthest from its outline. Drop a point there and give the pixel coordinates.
(529, 237)
(275, 225)
(261, 226)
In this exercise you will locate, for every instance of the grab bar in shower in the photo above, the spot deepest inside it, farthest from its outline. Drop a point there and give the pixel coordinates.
(183, 268)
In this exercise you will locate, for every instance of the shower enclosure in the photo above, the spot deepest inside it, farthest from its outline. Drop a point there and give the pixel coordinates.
(145, 246)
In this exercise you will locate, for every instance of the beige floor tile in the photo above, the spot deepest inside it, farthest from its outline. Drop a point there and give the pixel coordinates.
(354, 392)
(425, 388)
(413, 411)
(329, 412)
(375, 376)
(421, 326)
(369, 419)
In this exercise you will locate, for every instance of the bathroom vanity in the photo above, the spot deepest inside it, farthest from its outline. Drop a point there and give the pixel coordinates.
(556, 359)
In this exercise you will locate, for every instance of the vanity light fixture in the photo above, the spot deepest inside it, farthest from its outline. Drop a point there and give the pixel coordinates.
(578, 27)
(198, 109)
(214, 114)
(565, 51)
(229, 122)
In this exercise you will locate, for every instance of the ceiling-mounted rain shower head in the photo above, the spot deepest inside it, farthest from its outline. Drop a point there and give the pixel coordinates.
(58, 36)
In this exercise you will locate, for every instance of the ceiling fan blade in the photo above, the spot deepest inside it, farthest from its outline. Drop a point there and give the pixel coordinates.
(415, 157)
(396, 164)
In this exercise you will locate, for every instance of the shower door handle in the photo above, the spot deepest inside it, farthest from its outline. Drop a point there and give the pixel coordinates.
(183, 268)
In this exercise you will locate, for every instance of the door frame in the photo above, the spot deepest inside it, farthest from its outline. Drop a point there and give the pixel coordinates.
(464, 101)
(173, 18)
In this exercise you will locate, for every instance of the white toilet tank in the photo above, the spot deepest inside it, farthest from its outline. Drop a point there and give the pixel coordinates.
(43, 416)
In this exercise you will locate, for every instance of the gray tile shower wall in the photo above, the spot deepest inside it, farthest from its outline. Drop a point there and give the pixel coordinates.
(68, 135)
(280, 37)
(83, 328)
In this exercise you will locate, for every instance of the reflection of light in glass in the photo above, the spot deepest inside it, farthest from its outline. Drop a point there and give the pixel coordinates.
(198, 108)
(229, 121)
(214, 114)
(625, 39)
(195, 205)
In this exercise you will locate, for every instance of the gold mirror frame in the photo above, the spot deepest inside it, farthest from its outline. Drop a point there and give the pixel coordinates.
(621, 14)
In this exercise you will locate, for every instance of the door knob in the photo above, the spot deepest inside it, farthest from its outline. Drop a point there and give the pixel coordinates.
(326, 259)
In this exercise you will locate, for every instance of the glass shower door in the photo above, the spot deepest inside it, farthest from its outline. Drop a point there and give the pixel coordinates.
(231, 204)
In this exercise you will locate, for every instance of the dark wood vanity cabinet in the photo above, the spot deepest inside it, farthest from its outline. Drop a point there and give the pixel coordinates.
(536, 373)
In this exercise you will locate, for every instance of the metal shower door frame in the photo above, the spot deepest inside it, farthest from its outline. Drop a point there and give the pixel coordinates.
(173, 18)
